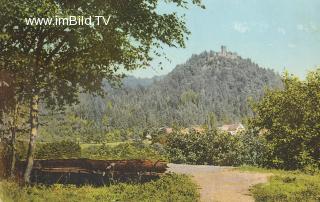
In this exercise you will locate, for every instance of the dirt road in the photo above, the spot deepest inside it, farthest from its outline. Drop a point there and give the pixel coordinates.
(222, 184)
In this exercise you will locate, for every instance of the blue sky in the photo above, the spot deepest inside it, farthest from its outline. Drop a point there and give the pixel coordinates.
(277, 34)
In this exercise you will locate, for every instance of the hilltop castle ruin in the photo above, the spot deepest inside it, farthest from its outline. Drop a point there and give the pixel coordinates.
(225, 53)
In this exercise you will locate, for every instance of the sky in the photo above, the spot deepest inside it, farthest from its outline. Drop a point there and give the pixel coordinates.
(277, 34)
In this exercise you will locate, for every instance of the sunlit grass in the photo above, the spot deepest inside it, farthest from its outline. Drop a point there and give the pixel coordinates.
(286, 186)
(170, 187)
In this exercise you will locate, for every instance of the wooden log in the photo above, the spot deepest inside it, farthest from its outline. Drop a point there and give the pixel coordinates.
(97, 166)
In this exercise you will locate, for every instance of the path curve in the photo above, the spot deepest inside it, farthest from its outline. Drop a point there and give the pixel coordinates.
(221, 184)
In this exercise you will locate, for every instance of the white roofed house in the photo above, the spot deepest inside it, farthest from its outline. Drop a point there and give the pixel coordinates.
(233, 129)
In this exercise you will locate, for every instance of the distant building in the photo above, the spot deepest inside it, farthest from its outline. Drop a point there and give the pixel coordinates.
(197, 129)
(225, 53)
(233, 129)
(166, 130)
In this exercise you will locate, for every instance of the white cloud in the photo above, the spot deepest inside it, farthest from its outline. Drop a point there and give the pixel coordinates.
(282, 31)
(241, 27)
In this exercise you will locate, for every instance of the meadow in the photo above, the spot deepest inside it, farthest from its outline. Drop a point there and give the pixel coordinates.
(170, 187)
(286, 185)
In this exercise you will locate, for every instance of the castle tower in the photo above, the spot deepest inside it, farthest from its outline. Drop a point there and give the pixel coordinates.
(224, 50)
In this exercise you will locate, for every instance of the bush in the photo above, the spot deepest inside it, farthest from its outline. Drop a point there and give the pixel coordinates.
(211, 147)
(170, 187)
(289, 187)
(254, 150)
(290, 118)
(58, 150)
(124, 151)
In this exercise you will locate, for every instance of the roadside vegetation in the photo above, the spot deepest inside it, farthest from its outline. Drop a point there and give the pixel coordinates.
(170, 187)
(286, 185)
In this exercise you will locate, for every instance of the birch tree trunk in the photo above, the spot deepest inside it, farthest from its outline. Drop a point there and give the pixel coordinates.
(13, 152)
(34, 111)
(13, 130)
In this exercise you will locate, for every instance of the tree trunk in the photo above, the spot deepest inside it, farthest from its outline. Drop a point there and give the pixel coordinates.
(34, 111)
(13, 130)
(13, 151)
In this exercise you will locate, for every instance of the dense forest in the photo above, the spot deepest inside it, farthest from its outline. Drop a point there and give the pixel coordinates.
(191, 94)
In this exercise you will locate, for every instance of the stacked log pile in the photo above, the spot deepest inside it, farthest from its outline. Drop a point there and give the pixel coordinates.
(97, 172)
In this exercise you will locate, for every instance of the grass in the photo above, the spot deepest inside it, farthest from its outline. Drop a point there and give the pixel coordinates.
(170, 187)
(261, 170)
(286, 186)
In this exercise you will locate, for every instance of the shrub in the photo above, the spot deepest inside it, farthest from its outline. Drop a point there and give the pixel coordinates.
(123, 151)
(254, 148)
(289, 187)
(58, 150)
(211, 147)
(290, 118)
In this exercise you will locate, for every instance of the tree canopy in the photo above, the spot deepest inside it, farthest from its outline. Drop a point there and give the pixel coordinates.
(51, 63)
(54, 61)
(290, 121)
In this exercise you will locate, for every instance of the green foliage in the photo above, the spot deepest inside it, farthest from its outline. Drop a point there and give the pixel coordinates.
(212, 121)
(124, 151)
(190, 95)
(254, 148)
(290, 121)
(54, 61)
(68, 126)
(72, 125)
(289, 187)
(171, 188)
(22, 149)
(20, 146)
(286, 185)
(51, 64)
(211, 147)
(59, 150)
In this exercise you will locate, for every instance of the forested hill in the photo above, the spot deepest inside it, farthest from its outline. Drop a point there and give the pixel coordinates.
(208, 86)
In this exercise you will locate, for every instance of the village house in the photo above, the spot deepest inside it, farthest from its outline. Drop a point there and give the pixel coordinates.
(197, 129)
(233, 129)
